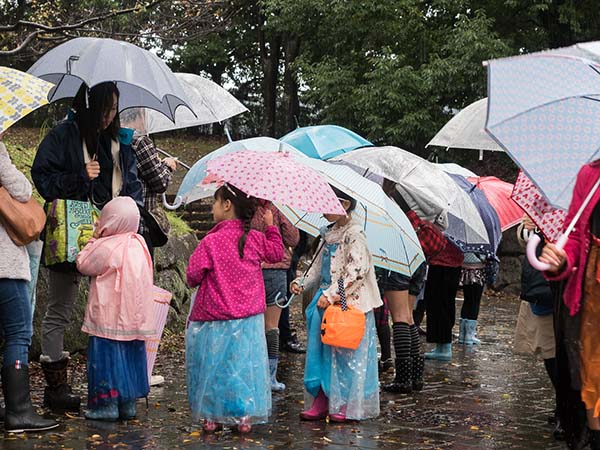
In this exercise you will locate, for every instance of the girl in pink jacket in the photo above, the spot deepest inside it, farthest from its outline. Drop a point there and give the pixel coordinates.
(226, 352)
(118, 315)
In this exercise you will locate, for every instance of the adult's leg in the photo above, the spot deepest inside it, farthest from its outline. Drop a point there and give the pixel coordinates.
(440, 293)
(62, 292)
(15, 320)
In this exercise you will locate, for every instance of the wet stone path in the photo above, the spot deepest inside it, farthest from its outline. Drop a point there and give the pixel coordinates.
(485, 398)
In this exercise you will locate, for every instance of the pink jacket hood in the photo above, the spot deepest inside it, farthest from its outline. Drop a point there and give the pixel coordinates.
(120, 299)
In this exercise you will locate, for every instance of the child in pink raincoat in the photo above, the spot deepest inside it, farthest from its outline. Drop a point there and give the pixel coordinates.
(226, 352)
(118, 316)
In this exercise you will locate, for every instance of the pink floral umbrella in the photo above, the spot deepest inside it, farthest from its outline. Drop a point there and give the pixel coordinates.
(548, 219)
(278, 177)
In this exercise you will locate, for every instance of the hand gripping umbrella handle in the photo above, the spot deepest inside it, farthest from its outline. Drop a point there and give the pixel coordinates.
(533, 242)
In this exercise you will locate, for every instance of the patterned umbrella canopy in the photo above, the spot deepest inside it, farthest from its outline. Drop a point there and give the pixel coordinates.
(549, 220)
(20, 93)
(277, 177)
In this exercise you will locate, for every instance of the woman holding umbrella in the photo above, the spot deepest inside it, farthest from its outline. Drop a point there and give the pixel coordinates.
(82, 158)
(579, 264)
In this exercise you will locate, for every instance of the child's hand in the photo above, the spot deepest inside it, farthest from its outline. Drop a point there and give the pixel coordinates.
(96, 234)
(295, 288)
(323, 303)
(268, 218)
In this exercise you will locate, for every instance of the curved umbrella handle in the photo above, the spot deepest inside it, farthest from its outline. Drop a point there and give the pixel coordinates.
(174, 206)
(532, 244)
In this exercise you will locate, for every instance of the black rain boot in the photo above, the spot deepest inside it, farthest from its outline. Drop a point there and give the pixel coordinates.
(58, 395)
(418, 367)
(20, 415)
(402, 383)
(594, 439)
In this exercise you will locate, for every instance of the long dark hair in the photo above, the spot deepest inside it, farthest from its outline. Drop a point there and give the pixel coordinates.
(90, 107)
(244, 208)
(343, 196)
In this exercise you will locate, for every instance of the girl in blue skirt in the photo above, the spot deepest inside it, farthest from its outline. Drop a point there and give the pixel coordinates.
(118, 315)
(226, 352)
(341, 382)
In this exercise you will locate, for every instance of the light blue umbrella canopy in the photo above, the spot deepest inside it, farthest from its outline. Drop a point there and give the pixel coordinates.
(391, 238)
(544, 110)
(486, 211)
(324, 141)
(191, 188)
(143, 79)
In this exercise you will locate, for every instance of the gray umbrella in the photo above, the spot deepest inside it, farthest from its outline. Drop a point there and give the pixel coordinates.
(142, 77)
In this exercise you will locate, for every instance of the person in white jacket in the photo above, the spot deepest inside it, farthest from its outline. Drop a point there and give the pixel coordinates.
(339, 382)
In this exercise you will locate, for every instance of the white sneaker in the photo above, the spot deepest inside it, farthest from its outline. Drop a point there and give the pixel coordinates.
(157, 380)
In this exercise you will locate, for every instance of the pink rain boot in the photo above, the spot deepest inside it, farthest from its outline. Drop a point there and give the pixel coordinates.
(318, 410)
(244, 425)
(210, 427)
(339, 417)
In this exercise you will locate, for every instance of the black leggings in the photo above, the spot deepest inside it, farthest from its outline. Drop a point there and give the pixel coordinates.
(470, 308)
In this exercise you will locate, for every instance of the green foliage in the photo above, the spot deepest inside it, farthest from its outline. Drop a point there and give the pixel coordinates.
(179, 227)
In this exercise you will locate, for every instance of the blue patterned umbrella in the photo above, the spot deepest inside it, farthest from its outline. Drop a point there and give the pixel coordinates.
(544, 110)
(324, 141)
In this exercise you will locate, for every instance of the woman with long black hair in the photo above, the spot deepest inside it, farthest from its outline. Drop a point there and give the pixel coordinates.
(85, 157)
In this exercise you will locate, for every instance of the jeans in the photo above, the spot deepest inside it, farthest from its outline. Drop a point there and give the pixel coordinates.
(15, 318)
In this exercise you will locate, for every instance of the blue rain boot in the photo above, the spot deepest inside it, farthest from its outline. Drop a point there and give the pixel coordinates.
(275, 385)
(108, 413)
(441, 352)
(462, 331)
(470, 329)
(127, 410)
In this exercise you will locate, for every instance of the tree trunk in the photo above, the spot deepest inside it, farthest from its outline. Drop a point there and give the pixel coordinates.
(290, 83)
(270, 51)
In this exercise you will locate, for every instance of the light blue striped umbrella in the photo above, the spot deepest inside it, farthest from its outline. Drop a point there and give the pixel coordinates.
(544, 110)
(191, 188)
(391, 238)
(324, 141)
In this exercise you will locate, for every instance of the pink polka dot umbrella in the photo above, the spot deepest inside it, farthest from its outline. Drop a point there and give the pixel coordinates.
(278, 177)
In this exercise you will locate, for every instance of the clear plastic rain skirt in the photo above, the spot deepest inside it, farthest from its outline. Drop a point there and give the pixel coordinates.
(349, 378)
(228, 371)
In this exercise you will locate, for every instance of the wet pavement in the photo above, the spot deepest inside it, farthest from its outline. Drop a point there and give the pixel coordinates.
(485, 398)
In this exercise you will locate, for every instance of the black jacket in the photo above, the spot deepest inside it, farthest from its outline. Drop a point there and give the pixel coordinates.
(58, 170)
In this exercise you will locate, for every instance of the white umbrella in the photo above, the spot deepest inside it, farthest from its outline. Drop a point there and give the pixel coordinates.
(467, 130)
(456, 169)
(209, 101)
(143, 79)
(429, 191)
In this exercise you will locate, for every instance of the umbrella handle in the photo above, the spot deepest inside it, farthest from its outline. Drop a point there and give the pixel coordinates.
(174, 206)
(287, 300)
(532, 243)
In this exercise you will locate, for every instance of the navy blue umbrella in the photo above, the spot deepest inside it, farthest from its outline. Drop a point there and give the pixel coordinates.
(486, 211)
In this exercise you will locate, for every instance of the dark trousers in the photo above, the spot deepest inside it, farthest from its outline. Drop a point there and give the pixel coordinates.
(440, 295)
(472, 300)
(570, 407)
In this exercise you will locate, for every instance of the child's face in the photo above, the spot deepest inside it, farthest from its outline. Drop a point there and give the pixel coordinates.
(221, 210)
(335, 217)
